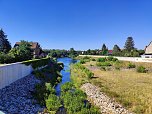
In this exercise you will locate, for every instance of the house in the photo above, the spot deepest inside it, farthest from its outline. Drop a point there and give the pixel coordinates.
(35, 47)
(148, 51)
(110, 52)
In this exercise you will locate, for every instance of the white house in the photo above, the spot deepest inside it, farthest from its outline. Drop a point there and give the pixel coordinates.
(148, 51)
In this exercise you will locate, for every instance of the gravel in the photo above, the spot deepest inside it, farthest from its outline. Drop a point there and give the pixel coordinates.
(106, 105)
(17, 99)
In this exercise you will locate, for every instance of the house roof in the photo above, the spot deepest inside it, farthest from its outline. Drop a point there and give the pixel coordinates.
(148, 49)
(110, 51)
(33, 44)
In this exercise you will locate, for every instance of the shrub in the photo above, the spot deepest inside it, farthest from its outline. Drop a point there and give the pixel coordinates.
(75, 100)
(103, 64)
(91, 65)
(67, 86)
(141, 69)
(6, 58)
(86, 57)
(131, 65)
(114, 59)
(89, 74)
(93, 59)
(82, 61)
(101, 59)
(53, 103)
(110, 58)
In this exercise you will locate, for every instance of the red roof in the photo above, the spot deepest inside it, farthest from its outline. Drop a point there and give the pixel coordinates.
(110, 51)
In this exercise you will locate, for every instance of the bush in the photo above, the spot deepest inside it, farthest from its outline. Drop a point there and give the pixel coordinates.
(131, 65)
(93, 59)
(6, 58)
(90, 74)
(75, 100)
(141, 69)
(103, 64)
(53, 103)
(114, 59)
(86, 57)
(82, 61)
(101, 59)
(110, 58)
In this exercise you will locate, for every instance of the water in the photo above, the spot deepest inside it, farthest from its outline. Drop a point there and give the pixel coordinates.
(65, 73)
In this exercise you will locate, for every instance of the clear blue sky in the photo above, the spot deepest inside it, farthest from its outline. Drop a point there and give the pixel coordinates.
(81, 24)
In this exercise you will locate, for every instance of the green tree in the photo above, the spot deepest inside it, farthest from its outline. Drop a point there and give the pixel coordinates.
(129, 45)
(116, 50)
(72, 53)
(104, 50)
(5, 45)
(22, 52)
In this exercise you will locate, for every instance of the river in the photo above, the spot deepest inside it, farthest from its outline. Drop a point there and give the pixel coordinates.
(65, 73)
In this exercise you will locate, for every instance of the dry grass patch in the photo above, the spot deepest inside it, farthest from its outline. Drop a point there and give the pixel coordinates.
(133, 90)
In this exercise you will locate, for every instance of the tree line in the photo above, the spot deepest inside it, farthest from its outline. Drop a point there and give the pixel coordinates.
(128, 51)
(58, 53)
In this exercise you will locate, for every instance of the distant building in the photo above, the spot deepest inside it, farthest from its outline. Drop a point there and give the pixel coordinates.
(35, 47)
(148, 51)
(110, 52)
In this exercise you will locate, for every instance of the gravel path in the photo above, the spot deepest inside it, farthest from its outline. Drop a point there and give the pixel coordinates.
(17, 99)
(107, 105)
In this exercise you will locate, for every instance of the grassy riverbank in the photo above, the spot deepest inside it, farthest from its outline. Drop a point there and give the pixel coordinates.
(127, 86)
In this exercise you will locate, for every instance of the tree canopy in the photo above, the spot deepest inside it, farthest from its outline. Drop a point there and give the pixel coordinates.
(116, 50)
(104, 50)
(5, 45)
(129, 44)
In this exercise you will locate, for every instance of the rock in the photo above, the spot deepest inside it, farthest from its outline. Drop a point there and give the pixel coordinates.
(17, 99)
(107, 105)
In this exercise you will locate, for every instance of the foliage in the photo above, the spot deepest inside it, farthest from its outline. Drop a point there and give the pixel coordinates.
(110, 58)
(141, 69)
(6, 58)
(91, 52)
(80, 74)
(22, 52)
(58, 53)
(116, 50)
(101, 59)
(37, 63)
(129, 45)
(114, 59)
(53, 103)
(104, 50)
(141, 52)
(5, 45)
(93, 59)
(131, 65)
(82, 61)
(74, 100)
(106, 63)
(132, 53)
(72, 53)
(42, 91)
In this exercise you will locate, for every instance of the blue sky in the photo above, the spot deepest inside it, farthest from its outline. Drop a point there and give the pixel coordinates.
(81, 24)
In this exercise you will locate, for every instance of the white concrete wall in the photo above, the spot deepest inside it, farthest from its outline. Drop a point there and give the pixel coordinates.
(133, 59)
(11, 72)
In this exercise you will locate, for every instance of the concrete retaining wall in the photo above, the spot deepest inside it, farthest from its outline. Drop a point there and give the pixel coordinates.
(133, 59)
(11, 72)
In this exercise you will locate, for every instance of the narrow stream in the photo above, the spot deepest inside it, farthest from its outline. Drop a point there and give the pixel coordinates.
(65, 73)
